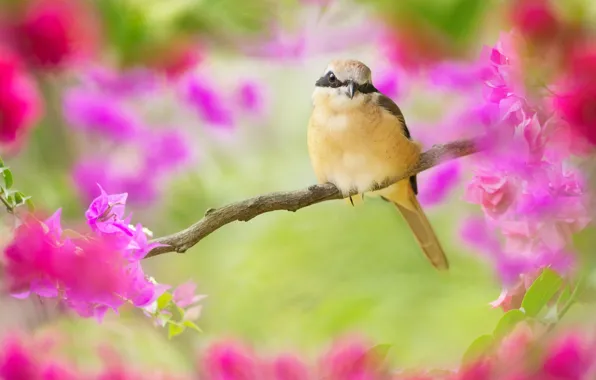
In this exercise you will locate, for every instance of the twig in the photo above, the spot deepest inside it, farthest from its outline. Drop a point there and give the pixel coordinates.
(293, 200)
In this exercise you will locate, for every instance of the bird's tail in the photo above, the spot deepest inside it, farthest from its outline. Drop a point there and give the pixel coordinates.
(403, 197)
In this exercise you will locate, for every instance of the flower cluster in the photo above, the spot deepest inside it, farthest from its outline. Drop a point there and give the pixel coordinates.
(524, 181)
(90, 273)
(45, 35)
(22, 359)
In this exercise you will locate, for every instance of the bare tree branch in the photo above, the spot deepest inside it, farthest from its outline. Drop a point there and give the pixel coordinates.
(293, 200)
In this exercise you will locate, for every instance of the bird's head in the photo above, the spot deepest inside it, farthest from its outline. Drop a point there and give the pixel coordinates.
(344, 83)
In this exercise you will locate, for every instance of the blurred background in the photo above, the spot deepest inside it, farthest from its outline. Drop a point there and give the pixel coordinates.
(192, 104)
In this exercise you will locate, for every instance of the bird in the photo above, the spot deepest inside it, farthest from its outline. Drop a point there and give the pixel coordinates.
(358, 141)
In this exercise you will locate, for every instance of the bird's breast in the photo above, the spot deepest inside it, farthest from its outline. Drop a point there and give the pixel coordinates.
(355, 150)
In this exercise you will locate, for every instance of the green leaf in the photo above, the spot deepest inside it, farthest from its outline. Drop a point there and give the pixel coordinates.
(564, 297)
(30, 205)
(508, 322)
(540, 292)
(7, 175)
(1, 163)
(479, 347)
(164, 300)
(379, 352)
(192, 325)
(19, 198)
(175, 329)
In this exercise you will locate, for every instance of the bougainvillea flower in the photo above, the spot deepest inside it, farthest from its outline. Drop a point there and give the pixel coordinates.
(20, 101)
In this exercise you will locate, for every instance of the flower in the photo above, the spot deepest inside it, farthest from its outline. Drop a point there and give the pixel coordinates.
(494, 191)
(91, 273)
(576, 99)
(91, 111)
(228, 360)
(105, 213)
(535, 18)
(20, 101)
(439, 182)
(53, 33)
(208, 103)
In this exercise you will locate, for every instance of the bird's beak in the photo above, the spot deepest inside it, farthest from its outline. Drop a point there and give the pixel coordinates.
(351, 89)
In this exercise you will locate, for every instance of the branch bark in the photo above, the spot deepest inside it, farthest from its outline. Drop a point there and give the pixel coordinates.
(293, 200)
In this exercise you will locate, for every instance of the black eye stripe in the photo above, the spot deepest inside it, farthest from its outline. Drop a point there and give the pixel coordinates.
(367, 88)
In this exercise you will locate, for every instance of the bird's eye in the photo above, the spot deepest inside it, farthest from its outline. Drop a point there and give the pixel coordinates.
(332, 78)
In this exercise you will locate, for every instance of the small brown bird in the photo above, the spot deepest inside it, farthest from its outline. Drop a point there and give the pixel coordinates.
(358, 140)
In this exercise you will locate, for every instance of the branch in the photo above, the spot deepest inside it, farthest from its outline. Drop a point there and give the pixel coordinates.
(293, 200)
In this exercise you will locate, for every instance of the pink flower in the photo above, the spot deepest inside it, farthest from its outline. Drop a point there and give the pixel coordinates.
(350, 361)
(105, 213)
(184, 295)
(20, 102)
(494, 191)
(229, 361)
(52, 33)
(287, 367)
(91, 111)
(16, 363)
(250, 97)
(208, 103)
(576, 102)
(535, 18)
(569, 358)
(437, 183)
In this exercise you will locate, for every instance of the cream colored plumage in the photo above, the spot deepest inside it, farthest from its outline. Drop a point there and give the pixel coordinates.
(357, 139)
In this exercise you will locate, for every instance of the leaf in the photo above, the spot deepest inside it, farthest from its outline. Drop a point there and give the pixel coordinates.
(508, 322)
(7, 175)
(19, 198)
(164, 300)
(540, 292)
(564, 297)
(479, 347)
(379, 352)
(30, 204)
(192, 325)
(175, 329)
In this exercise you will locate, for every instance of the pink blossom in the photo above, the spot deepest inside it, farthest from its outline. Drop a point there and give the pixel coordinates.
(250, 96)
(123, 83)
(287, 367)
(105, 213)
(495, 192)
(52, 33)
(184, 295)
(229, 361)
(208, 103)
(350, 360)
(535, 18)
(576, 100)
(91, 111)
(20, 102)
(16, 363)
(87, 173)
(439, 182)
(569, 358)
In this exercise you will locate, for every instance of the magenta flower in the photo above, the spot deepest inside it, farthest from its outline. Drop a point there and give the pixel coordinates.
(494, 191)
(52, 33)
(16, 363)
(105, 213)
(208, 103)
(229, 361)
(569, 358)
(250, 97)
(122, 84)
(576, 102)
(91, 111)
(165, 150)
(439, 182)
(535, 18)
(20, 102)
